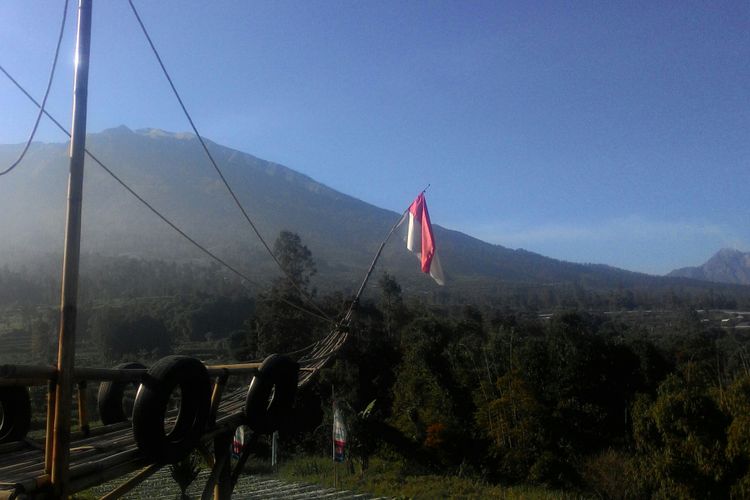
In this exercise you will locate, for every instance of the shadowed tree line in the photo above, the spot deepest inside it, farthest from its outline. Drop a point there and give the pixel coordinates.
(575, 400)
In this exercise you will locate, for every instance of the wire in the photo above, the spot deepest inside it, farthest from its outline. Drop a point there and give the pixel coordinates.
(156, 212)
(302, 293)
(46, 94)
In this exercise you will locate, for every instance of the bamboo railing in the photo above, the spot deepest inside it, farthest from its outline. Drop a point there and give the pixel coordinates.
(102, 454)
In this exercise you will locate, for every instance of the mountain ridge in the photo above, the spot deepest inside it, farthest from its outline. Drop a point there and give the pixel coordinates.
(171, 171)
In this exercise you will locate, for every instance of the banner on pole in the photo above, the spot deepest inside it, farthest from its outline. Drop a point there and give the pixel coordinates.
(339, 435)
(240, 440)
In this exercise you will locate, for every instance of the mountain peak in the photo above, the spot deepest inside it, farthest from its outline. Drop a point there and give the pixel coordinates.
(159, 133)
(154, 133)
(117, 131)
(728, 265)
(725, 253)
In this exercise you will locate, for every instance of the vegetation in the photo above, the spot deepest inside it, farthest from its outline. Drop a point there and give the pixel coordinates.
(184, 472)
(533, 394)
(394, 479)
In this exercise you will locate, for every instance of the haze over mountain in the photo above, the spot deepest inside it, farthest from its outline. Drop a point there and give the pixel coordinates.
(171, 171)
(725, 266)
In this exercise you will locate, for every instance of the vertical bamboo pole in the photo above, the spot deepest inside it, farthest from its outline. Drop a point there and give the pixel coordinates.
(361, 289)
(51, 394)
(218, 390)
(83, 414)
(71, 257)
(223, 479)
(333, 437)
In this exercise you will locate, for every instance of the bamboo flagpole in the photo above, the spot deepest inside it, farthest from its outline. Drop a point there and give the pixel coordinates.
(361, 289)
(69, 300)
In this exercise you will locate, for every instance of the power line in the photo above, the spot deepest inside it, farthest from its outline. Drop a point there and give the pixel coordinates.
(46, 94)
(302, 293)
(155, 211)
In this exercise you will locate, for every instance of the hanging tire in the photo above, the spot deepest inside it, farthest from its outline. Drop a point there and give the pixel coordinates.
(110, 397)
(15, 414)
(270, 397)
(150, 410)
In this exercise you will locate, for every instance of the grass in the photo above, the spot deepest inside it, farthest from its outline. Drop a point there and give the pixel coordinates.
(390, 479)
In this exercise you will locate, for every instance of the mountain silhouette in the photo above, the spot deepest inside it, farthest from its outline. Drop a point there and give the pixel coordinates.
(172, 172)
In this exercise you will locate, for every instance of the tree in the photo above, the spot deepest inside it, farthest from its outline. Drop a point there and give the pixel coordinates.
(736, 402)
(295, 259)
(218, 316)
(120, 334)
(426, 393)
(281, 323)
(513, 422)
(391, 303)
(682, 437)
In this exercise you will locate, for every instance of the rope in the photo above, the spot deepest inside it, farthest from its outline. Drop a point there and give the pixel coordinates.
(46, 94)
(237, 202)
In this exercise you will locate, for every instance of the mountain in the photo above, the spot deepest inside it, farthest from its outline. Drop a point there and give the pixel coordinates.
(726, 266)
(171, 171)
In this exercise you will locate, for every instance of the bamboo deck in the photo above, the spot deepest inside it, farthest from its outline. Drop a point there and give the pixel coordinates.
(107, 453)
(110, 452)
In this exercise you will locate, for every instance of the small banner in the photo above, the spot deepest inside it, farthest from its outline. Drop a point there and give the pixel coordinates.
(339, 435)
(241, 437)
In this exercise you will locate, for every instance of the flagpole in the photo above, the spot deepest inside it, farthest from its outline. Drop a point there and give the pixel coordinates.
(355, 302)
(372, 267)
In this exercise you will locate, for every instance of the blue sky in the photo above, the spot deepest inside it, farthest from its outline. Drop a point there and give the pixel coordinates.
(609, 132)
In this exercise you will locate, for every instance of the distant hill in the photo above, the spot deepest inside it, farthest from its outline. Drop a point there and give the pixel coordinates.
(171, 171)
(726, 266)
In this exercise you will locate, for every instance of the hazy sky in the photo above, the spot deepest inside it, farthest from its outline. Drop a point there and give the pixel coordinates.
(610, 132)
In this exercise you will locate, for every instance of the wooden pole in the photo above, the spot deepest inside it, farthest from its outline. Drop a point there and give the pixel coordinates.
(219, 384)
(222, 472)
(71, 257)
(83, 414)
(243, 458)
(333, 437)
(361, 289)
(51, 394)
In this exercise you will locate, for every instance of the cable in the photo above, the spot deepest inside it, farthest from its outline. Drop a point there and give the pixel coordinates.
(46, 94)
(156, 212)
(302, 293)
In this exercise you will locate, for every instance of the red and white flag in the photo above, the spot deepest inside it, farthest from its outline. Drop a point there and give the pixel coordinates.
(421, 241)
(339, 435)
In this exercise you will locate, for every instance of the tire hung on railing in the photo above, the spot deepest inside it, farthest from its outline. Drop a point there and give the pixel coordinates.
(15, 413)
(110, 398)
(270, 397)
(169, 438)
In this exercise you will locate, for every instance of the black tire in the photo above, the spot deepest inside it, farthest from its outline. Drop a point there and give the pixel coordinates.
(270, 397)
(15, 415)
(110, 397)
(150, 409)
